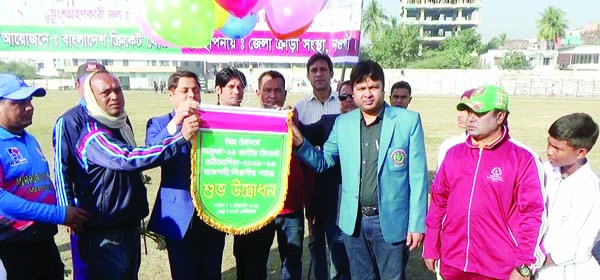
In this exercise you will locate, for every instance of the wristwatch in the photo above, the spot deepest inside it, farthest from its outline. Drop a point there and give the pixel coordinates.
(524, 270)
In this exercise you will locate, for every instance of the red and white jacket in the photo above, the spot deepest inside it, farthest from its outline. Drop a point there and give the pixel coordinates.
(487, 212)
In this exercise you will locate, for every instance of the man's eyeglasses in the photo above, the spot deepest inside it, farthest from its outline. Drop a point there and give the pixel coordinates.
(343, 97)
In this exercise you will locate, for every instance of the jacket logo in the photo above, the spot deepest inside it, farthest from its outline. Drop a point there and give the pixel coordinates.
(495, 175)
(15, 157)
(398, 157)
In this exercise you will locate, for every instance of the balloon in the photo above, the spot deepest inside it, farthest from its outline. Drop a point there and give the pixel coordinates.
(186, 23)
(260, 4)
(287, 16)
(238, 8)
(142, 22)
(291, 35)
(238, 28)
(221, 16)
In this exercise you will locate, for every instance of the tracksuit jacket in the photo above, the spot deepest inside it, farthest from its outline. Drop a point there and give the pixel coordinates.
(487, 209)
(109, 183)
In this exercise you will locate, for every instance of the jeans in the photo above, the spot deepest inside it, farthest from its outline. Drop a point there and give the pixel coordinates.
(111, 254)
(371, 257)
(290, 234)
(319, 232)
(32, 260)
(251, 253)
(596, 251)
(80, 269)
(199, 254)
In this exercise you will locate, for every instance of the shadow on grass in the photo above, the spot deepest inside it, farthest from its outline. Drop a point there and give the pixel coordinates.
(415, 270)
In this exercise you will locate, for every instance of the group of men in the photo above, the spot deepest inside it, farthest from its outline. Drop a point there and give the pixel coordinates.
(358, 175)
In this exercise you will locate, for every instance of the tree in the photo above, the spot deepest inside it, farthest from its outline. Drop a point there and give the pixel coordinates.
(373, 20)
(23, 70)
(397, 46)
(497, 42)
(552, 26)
(514, 60)
(464, 48)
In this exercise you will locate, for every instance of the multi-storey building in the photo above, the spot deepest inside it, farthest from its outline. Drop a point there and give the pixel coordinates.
(440, 19)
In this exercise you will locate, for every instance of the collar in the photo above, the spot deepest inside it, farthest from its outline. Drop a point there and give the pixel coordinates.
(333, 95)
(5, 134)
(472, 143)
(379, 116)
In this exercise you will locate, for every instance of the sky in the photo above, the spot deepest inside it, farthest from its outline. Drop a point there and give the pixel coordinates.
(518, 18)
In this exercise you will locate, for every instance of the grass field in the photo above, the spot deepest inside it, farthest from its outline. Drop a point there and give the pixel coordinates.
(529, 121)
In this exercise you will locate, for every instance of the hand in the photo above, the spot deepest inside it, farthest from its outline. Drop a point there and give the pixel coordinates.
(414, 240)
(184, 109)
(190, 127)
(431, 264)
(549, 261)
(294, 115)
(514, 275)
(75, 217)
(297, 138)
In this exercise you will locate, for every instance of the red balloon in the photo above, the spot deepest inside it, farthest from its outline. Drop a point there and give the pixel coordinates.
(238, 8)
(290, 35)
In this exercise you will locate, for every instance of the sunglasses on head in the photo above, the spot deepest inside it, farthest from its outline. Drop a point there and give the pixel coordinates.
(343, 97)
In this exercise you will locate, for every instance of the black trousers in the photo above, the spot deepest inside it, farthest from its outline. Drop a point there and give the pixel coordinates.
(26, 260)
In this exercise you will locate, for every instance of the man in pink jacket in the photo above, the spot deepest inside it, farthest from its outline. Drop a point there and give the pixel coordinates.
(486, 217)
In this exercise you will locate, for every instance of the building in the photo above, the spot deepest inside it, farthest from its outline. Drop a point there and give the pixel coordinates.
(581, 57)
(537, 55)
(588, 34)
(440, 19)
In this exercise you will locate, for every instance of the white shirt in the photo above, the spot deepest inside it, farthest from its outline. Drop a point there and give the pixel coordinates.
(310, 108)
(447, 144)
(573, 224)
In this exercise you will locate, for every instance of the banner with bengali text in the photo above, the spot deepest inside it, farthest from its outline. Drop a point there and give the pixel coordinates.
(240, 167)
(106, 29)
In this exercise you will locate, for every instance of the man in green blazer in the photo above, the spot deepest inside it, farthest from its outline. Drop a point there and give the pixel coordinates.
(383, 201)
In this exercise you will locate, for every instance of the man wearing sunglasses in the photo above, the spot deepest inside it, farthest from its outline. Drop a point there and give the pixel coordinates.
(326, 202)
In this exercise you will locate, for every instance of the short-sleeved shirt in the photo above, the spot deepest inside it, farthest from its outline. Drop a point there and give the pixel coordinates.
(24, 172)
(310, 109)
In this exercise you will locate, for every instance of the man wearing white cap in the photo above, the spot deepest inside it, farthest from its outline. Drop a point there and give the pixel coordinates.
(28, 208)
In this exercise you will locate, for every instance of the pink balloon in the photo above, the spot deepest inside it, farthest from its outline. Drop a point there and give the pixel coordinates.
(260, 4)
(286, 16)
(238, 8)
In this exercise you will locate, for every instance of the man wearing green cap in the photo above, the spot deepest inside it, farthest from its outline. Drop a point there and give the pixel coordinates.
(486, 217)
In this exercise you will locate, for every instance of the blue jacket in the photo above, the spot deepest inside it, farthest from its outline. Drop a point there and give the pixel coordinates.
(110, 185)
(401, 171)
(65, 134)
(64, 140)
(173, 209)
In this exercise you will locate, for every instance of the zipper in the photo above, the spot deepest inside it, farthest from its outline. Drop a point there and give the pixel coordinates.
(469, 210)
(513, 237)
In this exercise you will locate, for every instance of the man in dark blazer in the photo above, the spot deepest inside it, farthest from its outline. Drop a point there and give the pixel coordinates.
(195, 249)
(323, 202)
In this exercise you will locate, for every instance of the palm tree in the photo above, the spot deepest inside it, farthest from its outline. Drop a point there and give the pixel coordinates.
(502, 39)
(552, 25)
(373, 20)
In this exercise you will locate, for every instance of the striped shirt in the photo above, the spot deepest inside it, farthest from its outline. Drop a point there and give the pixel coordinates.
(310, 109)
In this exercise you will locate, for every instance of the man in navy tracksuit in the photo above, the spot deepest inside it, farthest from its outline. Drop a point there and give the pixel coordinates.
(109, 183)
(64, 138)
